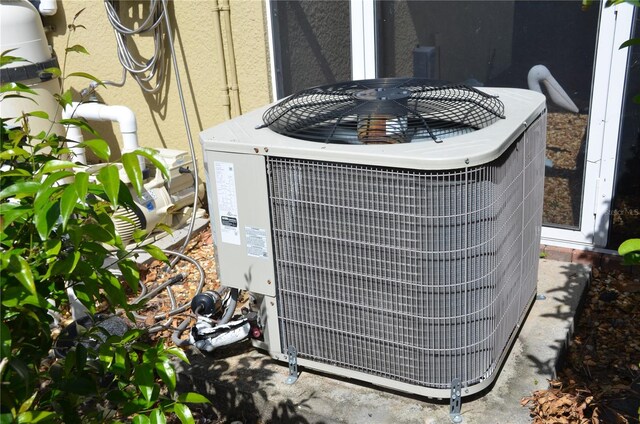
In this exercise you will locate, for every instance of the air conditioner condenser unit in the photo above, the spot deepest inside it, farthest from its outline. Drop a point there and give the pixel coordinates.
(388, 229)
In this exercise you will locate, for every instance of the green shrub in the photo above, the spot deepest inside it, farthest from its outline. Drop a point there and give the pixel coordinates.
(57, 232)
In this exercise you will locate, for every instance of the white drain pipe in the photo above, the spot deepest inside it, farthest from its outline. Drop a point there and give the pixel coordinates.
(541, 74)
(124, 116)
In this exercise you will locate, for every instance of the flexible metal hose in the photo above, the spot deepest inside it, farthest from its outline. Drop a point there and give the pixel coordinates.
(175, 309)
(187, 127)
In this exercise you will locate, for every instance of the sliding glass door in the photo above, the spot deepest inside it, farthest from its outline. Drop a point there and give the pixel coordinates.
(568, 52)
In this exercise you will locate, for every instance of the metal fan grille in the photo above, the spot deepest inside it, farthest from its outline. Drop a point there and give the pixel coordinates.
(415, 276)
(383, 111)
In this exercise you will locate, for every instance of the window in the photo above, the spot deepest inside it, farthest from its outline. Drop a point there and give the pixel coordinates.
(497, 43)
(311, 44)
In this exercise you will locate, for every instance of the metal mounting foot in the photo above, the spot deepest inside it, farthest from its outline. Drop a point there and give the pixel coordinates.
(292, 353)
(455, 403)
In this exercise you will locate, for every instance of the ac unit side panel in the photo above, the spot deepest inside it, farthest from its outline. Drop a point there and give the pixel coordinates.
(522, 107)
(240, 220)
(413, 276)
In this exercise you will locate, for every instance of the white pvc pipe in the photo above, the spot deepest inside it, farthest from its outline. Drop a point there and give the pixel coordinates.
(540, 73)
(48, 7)
(74, 135)
(124, 116)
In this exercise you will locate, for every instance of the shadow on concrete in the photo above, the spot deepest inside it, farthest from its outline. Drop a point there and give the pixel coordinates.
(239, 389)
(567, 298)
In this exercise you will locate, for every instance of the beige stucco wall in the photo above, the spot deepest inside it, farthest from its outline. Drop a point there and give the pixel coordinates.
(160, 121)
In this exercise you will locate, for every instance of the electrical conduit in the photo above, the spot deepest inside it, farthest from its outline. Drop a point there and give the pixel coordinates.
(222, 67)
(225, 11)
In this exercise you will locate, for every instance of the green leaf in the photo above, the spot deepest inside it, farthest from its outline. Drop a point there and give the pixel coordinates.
(98, 233)
(629, 246)
(157, 417)
(78, 14)
(38, 114)
(20, 268)
(68, 203)
(192, 397)
(630, 251)
(54, 71)
(5, 340)
(176, 351)
(630, 42)
(81, 184)
(67, 265)
(119, 365)
(17, 88)
(81, 356)
(76, 48)
(70, 359)
(35, 417)
(26, 405)
(52, 247)
(136, 405)
(114, 290)
(184, 413)
(165, 228)
(130, 272)
(18, 96)
(79, 123)
(167, 373)
(20, 189)
(155, 252)
(132, 168)
(10, 212)
(140, 419)
(6, 59)
(14, 296)
(132, 335)
(99, 147)
(144, 379)
(55, 165)
(14, 153)
(16, 172)
(87, 76)
(105, 355)
(45, 219)
(110, 180)
(138, 234)
(49, 191)
(152, 156)
(65, 99)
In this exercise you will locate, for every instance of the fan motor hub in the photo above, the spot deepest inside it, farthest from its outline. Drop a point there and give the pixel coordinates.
(383, 94)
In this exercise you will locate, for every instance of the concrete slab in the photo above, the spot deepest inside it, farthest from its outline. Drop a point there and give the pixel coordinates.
(247, 386)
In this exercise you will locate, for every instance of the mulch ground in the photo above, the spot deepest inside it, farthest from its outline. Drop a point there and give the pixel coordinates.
(600, 382)
(566, 141)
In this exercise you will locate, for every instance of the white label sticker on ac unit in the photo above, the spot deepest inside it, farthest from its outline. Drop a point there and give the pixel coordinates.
(227, 202)
(256, 242)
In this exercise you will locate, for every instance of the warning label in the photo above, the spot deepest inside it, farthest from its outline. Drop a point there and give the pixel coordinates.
(256, 242)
